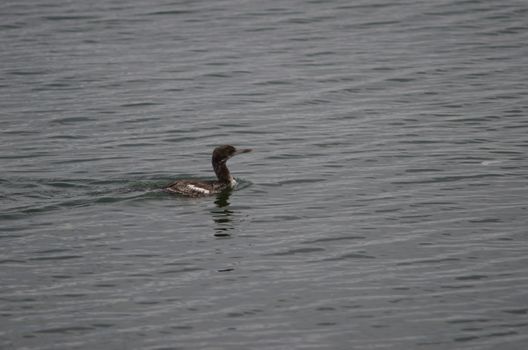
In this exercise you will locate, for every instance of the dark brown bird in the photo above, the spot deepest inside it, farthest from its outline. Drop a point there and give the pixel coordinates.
(200, 188)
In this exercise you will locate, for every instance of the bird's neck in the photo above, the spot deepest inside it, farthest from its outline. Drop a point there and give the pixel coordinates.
(222, 173)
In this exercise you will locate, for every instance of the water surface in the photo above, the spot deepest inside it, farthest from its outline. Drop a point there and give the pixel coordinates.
(384, 206)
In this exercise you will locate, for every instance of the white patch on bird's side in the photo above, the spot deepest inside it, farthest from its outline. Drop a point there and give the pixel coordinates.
(198, 189)
(233, 182)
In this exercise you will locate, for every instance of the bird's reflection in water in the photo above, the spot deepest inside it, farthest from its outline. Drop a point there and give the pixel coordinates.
(222, 215)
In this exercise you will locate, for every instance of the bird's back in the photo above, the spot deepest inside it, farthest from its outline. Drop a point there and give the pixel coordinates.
(194, 188)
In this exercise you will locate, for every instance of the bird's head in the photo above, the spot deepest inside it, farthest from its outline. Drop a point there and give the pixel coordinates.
(222, 153)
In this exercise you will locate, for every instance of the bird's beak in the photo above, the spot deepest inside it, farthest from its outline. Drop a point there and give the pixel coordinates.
(244, 150)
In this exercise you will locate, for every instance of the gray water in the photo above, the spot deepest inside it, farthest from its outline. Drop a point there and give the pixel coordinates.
(384, 206)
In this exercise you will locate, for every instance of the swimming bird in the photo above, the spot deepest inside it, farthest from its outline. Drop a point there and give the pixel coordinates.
(199, 188)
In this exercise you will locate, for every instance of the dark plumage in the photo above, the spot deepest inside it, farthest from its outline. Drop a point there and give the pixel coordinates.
(199, 188)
